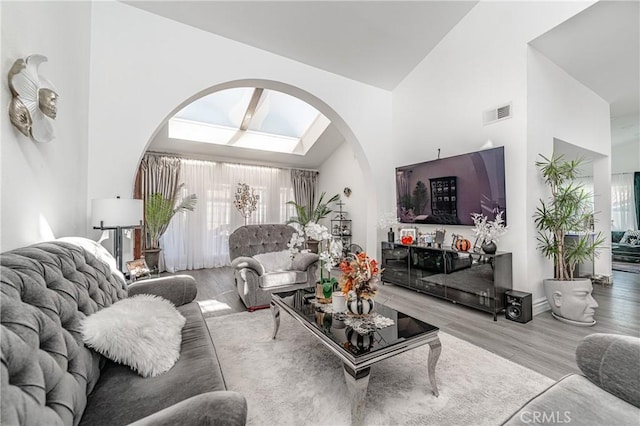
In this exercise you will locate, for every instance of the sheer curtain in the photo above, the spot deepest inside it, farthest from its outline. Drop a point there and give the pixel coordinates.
(200, 239)
(587, 186)
(623, 204)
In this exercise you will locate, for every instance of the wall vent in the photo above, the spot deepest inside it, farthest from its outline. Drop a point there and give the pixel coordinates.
(496, 114)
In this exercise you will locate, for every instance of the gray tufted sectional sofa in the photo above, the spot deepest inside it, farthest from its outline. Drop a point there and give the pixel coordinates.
(254, 285)
(607, 393)
(49, 377)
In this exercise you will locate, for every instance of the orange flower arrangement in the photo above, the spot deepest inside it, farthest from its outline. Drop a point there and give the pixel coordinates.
(360, 275)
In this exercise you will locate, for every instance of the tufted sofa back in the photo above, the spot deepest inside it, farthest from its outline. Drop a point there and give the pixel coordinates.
(250, 240)
(46, 290)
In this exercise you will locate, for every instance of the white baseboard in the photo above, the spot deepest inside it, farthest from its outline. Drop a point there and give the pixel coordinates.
(540, 305)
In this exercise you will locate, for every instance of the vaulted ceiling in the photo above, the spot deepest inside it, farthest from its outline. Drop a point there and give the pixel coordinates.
(380, 42)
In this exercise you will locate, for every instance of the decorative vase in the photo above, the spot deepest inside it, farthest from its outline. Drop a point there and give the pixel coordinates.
(391, 236)
(360, 306)
(489, 248)
(566, 306)
(321, 294)
(327, 290)
(151, 256)
(359, 343)
(312, 245)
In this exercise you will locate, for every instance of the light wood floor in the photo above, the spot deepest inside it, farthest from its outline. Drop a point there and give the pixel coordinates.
(544, 344)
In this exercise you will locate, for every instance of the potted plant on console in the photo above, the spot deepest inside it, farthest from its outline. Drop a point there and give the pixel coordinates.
(568, 209)
(487, 231)
(158, 212)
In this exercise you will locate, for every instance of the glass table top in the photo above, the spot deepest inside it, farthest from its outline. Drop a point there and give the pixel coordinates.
(334, 329)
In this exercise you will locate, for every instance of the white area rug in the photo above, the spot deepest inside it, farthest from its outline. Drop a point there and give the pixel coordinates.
(294, 380)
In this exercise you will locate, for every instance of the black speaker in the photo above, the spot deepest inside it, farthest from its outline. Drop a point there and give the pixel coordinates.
(518, 306)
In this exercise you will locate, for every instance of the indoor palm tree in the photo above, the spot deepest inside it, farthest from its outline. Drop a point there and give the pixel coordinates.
(158, 212)
(567, 210)
(306, 215)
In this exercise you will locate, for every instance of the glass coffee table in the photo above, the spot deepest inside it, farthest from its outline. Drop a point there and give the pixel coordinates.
(359, 345)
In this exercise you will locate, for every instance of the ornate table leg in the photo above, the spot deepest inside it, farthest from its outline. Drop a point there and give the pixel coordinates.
(434, 353)
(275, 313)
(357, 383)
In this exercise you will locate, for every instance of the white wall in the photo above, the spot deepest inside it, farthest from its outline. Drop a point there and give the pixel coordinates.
(337, 172)
(625, 158)
(44, 185)
(480, 64)
(143, 71)
(559, 107)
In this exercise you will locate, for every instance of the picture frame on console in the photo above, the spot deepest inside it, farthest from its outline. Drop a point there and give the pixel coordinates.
(409, 232)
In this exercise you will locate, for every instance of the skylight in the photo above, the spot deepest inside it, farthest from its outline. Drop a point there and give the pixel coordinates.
(252, 118)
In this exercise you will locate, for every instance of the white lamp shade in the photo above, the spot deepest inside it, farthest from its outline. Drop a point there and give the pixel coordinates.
(114, 212)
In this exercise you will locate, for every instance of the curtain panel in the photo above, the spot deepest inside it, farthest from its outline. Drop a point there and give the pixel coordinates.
(159, 174)
(305, 186)
(623, 202)
(200, 239)
(636, 196)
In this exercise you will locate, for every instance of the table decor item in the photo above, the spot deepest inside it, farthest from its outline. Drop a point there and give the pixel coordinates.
(460, 243)
(328, 248)
(359, 282)
(488, 232)
(358, 343)
(407, 240)
(339, 301)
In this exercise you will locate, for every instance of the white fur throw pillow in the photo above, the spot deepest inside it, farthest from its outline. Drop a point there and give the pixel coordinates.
(275, 261)
(142, 331)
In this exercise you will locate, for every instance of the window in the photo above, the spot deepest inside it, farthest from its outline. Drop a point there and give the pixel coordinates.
(250, 118)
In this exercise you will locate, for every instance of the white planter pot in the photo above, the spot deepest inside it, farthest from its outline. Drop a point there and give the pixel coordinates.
(571, 301)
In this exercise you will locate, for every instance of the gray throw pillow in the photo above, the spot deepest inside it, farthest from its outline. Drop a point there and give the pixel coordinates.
(275, 261)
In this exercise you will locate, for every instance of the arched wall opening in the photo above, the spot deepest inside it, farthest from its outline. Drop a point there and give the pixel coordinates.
(334, 117)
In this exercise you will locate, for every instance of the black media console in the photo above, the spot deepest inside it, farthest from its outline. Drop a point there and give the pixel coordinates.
(476, 280)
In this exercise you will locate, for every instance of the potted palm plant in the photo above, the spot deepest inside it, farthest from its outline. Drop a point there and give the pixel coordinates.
(158, 212)
(306, 216)
(567, 210)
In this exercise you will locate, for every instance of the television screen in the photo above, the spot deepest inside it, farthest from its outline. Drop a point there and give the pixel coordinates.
(447, 190)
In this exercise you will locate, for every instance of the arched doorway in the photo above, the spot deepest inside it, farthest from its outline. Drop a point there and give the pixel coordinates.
(254, 91)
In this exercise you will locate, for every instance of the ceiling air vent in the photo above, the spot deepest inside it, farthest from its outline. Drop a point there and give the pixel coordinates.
(496, 114)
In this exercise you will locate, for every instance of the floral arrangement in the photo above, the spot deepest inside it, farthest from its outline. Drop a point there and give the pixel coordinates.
(329, 249)
(486, 230)
(360, 274)
(311, 231)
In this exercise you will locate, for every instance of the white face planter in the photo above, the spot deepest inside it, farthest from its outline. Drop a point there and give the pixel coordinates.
(34, 105)
(571, 301)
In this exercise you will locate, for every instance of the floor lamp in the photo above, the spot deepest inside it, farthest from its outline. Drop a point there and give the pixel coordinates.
(116, 214)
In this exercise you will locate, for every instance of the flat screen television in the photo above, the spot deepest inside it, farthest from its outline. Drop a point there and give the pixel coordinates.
(447, 190)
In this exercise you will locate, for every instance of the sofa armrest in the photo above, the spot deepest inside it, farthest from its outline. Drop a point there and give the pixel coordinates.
(248, 262)
(303, 260)
(178, 289)
(219, 408)
(612, 362)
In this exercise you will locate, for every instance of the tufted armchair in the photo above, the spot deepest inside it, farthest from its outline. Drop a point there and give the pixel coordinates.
(256, 283)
